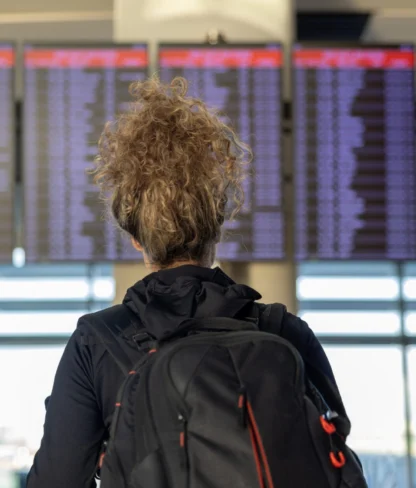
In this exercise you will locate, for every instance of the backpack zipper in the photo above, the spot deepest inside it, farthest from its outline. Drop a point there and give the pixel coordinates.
(119, 401)
(183, 444)
(235, 338)
(146, 378)
(134, 375)
(183, 438)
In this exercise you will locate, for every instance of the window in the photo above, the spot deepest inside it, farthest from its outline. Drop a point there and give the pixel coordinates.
(412, 382)
(28, 381)
(350, 322)
(365, 316)
(410, 321)
(349, 299)
(371, 382)
(409, 295)
(39, 309)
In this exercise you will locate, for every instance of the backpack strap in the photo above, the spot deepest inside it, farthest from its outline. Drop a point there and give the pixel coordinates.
(271, 317)
(271, 320)
(122, 334)
(117, 329)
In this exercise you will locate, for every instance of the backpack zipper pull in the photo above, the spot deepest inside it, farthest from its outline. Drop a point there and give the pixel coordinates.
(183, 441)
(182, 435)
(242, 407)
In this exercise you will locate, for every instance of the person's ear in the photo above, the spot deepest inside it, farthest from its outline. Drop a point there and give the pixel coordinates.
(136, 245)
(139, 248)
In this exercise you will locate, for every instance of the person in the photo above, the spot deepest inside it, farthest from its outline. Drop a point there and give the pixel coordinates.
(172, 172)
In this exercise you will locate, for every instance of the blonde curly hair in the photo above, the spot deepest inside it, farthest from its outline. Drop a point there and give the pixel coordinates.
(171, 172)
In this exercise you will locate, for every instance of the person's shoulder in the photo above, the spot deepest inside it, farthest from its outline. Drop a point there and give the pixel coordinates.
(278, 320)
(271, 316)
(297, 331)
(109, 313)
(110, 316)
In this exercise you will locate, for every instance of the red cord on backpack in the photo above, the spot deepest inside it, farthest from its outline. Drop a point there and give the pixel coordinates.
(256, 455)
(261, 452)
(337, 462)
(328, 427)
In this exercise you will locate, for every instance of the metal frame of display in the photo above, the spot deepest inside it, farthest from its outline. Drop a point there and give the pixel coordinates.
(14, 148)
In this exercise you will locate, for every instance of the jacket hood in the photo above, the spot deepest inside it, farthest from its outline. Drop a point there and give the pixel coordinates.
(164, 300)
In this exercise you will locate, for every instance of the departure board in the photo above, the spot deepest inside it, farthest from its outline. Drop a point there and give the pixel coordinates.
(7, 150)
(354, 169)
(70, 93)
(244, 83)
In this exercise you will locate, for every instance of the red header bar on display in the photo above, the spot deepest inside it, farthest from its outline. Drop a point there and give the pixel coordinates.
(86, 58)
(218, 58)
(353, 58)
(7, 57)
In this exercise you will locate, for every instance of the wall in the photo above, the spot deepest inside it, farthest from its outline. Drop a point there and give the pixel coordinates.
(274, 281)
(392, 25)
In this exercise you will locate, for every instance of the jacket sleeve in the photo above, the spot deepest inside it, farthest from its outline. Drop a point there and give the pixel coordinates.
(297, 332)
(73, 429)
(317, 366)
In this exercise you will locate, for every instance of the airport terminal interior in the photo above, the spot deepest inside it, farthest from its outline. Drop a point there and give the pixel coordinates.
(324, 93)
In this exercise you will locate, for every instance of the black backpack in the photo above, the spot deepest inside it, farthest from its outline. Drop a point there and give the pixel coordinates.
(219, 404)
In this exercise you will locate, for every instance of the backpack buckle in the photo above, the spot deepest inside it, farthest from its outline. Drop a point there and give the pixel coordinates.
(144, 341)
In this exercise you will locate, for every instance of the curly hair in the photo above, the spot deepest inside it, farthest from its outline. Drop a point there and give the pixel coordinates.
(171, 172)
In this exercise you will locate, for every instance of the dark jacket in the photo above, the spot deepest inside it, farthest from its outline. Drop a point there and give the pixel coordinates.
(82, 402)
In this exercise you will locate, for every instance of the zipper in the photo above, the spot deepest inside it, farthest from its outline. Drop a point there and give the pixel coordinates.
(118, 405)
(146, 378)
(183, 444)
(133, 375)
(112, 452)
(235, 338)
(183, 439)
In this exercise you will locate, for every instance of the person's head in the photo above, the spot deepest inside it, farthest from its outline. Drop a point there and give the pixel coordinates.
(172, 173)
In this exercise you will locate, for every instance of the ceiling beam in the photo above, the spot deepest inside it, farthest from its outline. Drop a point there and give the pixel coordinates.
(46, 17)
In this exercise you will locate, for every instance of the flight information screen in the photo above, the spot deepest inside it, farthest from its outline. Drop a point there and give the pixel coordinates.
(355, 170)
(244, 83)
(7, 150)
(70, 92)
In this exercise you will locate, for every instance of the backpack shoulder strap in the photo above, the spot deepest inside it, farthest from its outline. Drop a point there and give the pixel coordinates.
(115, 328)
(271, 317)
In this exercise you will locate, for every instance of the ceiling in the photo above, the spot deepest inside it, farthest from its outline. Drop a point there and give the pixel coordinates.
(39, 6)
(42, 6)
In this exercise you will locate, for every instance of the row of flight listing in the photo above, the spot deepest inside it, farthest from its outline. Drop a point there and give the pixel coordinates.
(350, 190)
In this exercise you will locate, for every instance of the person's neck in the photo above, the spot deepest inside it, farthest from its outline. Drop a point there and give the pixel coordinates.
(177, 264)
